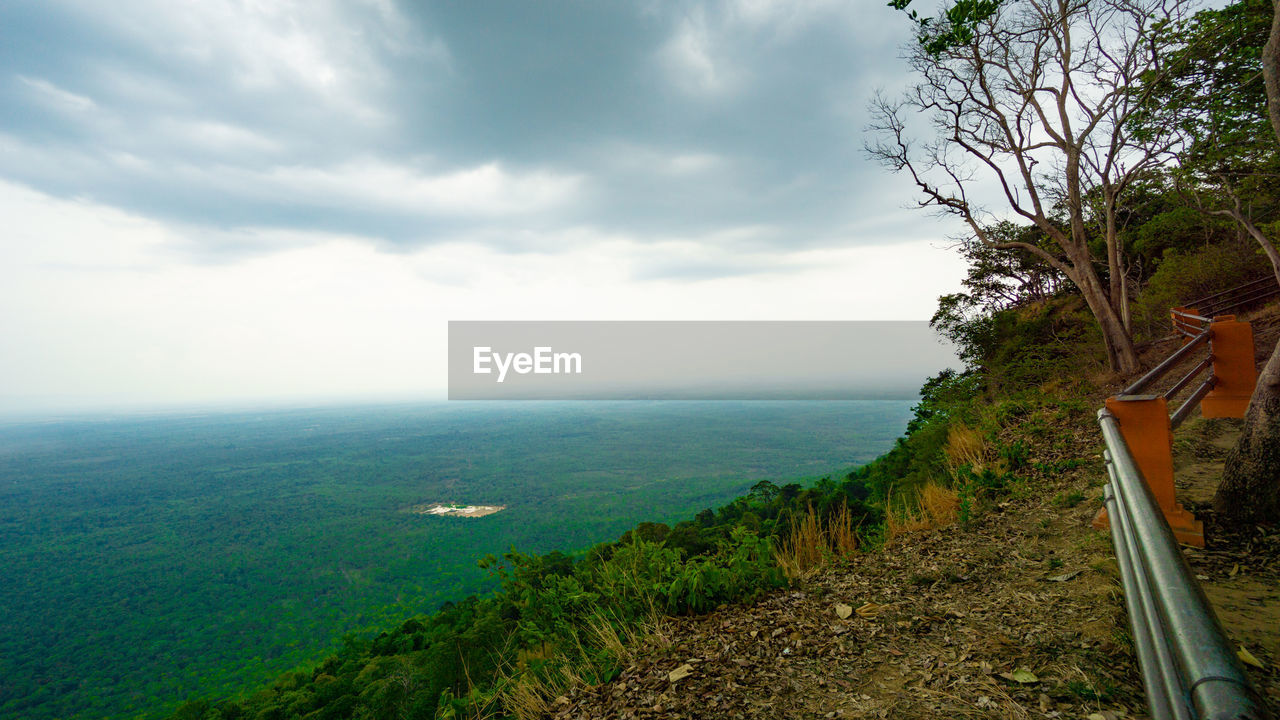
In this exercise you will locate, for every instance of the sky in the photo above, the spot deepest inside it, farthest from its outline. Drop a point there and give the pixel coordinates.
(271, 201)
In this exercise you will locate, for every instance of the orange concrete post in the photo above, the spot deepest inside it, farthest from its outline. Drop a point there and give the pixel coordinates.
(1231, 345)
(1144, 422)
(1180, 323)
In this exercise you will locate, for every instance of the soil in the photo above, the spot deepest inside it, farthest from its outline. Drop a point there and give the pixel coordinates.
(1018, 615)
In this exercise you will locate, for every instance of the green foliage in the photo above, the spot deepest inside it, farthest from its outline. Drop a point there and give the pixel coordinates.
(1184, 276)
(1179, 228)
(1068, 499)
(974, 486)
(997, 280)
(147, 560)
(955, 26)
(1023, 346)
(1090, 692)
(456, 662)
(1211, 88)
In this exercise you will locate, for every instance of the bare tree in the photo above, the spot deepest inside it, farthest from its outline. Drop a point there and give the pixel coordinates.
(1034, 100)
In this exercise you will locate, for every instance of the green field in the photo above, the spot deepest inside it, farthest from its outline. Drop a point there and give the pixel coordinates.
(146, 558)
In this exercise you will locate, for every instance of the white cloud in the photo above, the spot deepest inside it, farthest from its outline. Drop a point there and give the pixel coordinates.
(694, 62)
(638, 159)
(211, 136)
(366, 185)
(484, 190)
(59, 99)
(692, 163)
(324, 49)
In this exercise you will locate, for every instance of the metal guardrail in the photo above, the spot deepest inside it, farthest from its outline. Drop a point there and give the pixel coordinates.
(1189, 670)
(1236, 298)
(1170, 362)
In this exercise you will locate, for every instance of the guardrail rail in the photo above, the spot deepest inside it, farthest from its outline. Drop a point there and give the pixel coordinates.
(1188, 668)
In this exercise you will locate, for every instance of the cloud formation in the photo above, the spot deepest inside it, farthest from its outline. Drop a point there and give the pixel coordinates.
(423, 123)
(701, 146)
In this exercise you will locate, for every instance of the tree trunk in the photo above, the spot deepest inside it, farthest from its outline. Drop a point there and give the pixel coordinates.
(1250, 489)
(1121, 354)
(1271, 69)
(1115, 265)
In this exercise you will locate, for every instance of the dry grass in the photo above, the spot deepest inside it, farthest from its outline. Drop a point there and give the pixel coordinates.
(801, 551)
(934, 507)
(965, 446)
(524, 696)
(939, 504)
(526, 692)
(984, 700)
(811, 544)
(842, 533)
(903, 521)
(623, 644)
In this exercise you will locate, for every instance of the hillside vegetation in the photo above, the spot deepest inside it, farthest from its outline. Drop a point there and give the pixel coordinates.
(242, 545)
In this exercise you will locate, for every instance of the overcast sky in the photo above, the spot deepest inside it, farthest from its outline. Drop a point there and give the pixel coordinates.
(269, 200)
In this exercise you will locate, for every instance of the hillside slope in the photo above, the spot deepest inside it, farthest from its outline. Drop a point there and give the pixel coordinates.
(980, 591)
(945, 624)
(1018, 614)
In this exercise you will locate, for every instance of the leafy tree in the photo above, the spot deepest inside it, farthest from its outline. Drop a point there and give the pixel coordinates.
(1223, 96)
(764, 492)
(1215, 96)
(997, 279)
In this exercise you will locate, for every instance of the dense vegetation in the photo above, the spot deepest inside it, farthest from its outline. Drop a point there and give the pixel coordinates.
(148, 559)
(558, 620)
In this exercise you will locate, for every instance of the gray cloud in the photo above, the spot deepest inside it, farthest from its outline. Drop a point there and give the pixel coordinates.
(419, 123)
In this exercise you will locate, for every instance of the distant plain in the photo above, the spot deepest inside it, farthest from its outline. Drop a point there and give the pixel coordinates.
(145, 557)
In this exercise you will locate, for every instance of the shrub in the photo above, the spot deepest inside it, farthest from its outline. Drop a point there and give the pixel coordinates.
(1186, 275)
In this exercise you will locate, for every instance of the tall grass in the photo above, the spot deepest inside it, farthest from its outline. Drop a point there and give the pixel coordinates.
(934, 507)
(964, 446)
(530, 688)
(812, 543)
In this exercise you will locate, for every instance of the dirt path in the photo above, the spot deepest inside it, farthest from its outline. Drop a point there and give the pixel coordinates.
(1018, 616)
(1240, 568)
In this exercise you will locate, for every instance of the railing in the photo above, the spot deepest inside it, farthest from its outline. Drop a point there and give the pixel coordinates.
(1237, 298)
(1188, 668)
(1228, 373)
(1169, 363)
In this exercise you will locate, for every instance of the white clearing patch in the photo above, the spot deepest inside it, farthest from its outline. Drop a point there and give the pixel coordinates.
(457, 510)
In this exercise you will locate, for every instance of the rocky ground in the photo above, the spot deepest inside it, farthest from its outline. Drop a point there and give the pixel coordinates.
(1017, 615)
